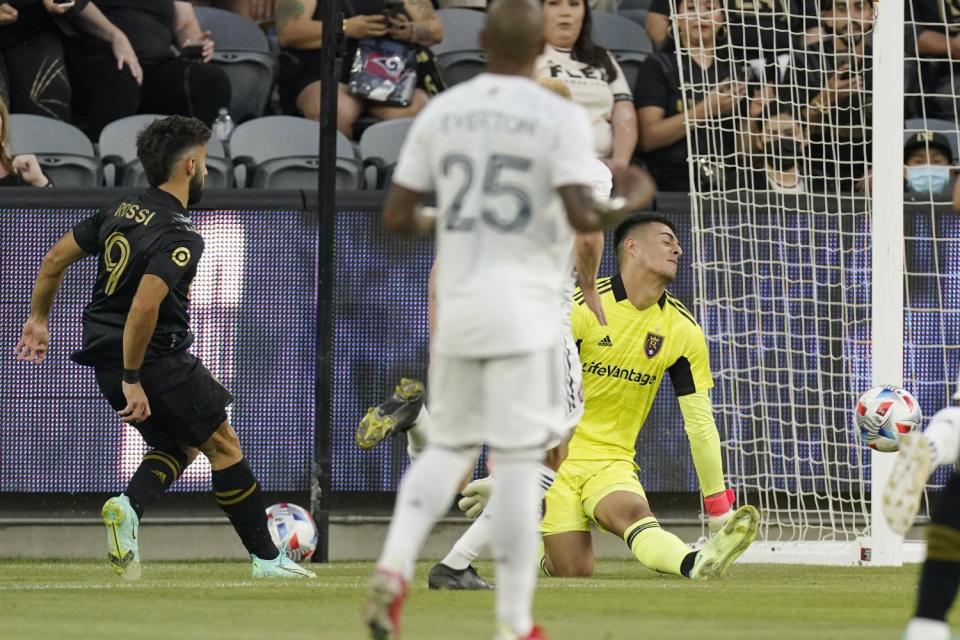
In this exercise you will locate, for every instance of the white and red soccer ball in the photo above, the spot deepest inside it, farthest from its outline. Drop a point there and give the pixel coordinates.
(292, 525)
(884, 414)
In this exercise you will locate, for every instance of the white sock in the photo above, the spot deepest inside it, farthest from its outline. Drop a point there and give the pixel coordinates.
(425, 494)
(515, 538)
(943, 433)
(926, 629)
(417, 434)
(473, 541)
(477, 537)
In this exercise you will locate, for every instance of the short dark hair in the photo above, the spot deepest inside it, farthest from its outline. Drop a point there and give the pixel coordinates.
(635, 220)
(163, 141)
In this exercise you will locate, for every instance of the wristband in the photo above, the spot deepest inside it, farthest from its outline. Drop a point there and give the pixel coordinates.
(719, 504)
(131, 376)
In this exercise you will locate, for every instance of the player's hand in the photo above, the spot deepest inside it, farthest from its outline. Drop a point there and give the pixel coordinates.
(719, 507)
(28, 168)
(57, 9)
(476, 495)
(592, 299)
(8, 15)
(138, 407)
(34, 342)
(365, 27)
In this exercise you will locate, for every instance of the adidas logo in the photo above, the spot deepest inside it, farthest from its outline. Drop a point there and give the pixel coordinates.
(159, 474)
(606, 342)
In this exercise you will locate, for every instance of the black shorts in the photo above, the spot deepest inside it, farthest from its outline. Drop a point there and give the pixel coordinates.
(187, 404)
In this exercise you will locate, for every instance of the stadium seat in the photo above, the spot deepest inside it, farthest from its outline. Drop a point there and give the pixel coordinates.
(620, 35)
(280, 152)
(459, 54)
(946, 127)
(244, 52)
(380, 150)
(629, 5)
(118, 148)
(63, 151)
(635, 15)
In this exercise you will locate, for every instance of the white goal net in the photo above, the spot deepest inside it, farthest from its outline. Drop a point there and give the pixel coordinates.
(796, 187)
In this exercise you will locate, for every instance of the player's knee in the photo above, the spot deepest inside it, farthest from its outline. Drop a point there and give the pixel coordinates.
(223, 447)
(638, 511)
(571, 568)
(191, 454)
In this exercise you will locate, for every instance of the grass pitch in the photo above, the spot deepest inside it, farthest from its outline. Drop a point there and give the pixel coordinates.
(209, 600)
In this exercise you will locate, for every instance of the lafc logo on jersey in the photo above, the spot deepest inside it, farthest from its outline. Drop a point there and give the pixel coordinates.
(652, 345)
(181, 256)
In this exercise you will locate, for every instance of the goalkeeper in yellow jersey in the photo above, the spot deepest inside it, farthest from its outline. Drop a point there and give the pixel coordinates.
(648, 333)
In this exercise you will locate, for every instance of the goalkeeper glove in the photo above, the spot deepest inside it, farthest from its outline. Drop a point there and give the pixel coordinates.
(476, 495)
(719, 506)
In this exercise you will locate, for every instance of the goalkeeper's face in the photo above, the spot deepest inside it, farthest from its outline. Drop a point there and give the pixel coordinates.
(653, 249)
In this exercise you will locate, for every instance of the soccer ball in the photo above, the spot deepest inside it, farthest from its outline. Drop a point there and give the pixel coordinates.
(886, 413)
(292, 525)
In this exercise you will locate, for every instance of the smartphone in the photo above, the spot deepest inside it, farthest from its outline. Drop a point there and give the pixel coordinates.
(191, 51)
(393, 8)
(63, 1)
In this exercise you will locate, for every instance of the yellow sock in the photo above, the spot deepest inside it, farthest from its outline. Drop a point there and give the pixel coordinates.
(655, 548)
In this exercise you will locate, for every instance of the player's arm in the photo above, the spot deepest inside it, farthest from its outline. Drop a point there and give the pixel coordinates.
(404, 213)
(691, 378)
(587, 214)
(587, 251)
(137, 332)
(35, 337)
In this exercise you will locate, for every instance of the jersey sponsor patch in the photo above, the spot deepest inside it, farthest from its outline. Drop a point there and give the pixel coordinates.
(181, 256)
(653, 344)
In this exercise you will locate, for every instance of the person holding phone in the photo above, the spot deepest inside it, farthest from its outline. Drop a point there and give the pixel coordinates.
(299, 29)
(711, 100)
(174, 53)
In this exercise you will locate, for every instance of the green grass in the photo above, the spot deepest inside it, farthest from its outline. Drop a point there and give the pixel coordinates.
(208, 600)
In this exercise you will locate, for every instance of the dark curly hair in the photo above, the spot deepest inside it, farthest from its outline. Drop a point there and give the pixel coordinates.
(585, 50)
(163, 141)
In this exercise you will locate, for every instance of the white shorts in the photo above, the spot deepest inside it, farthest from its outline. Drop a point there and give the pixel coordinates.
(572, 381)
(511, 403)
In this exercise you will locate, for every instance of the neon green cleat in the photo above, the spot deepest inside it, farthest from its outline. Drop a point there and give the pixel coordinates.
(727, 544)
(396, 414)
(122, 525)
(279, 567)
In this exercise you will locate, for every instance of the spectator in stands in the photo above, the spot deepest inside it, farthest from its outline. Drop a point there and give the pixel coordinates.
(593, 76)
(833, 77)
(171, 84)
(256, 10)
(299, 29)
(927, 157)
(33, 78)
(17, 171)
(479, 5)
(713, 94)
(781, 156)
(937, 32)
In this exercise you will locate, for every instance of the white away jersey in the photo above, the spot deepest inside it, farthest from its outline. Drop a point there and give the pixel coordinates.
(495, 150)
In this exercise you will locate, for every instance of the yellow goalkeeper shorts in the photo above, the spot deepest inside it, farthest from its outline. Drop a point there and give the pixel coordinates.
(579, 488)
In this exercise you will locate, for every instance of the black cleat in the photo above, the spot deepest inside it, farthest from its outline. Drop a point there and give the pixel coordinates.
(396, 414)
(443, 577)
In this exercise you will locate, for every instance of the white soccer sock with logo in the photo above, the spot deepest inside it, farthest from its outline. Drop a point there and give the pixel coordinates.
(513, 509)
(924, 629)
(943, 433)
(477, 536)
(425, 494)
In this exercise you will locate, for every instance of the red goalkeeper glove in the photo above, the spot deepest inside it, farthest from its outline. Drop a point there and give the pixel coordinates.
(719, 506)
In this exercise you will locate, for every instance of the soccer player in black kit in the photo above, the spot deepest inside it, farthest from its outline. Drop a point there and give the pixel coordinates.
(135, 336)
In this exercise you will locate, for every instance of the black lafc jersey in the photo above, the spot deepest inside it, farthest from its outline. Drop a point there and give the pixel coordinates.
(146, 234)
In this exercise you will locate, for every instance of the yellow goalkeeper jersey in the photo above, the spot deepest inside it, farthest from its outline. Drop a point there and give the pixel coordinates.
(624, 363)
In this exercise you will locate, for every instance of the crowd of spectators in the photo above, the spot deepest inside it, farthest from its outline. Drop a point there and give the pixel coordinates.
(776, 96)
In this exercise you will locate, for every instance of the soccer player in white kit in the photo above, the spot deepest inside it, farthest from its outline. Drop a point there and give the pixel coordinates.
(505, 157)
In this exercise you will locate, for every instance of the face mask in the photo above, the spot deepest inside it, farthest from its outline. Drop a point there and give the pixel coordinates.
(928, 178)
(782, 154)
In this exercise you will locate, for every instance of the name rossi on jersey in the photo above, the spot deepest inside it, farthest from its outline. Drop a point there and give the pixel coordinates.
(613, 371)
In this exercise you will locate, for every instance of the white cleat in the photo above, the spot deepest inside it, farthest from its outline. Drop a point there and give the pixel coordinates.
(901, 496)
(279, 567)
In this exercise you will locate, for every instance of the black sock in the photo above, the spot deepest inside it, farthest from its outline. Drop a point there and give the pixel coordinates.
(238, 494)
(940, 577)
(157, 471)
(686, 566)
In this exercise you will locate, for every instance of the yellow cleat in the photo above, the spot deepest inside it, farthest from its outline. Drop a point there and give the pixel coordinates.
(727, 545)
(396, 414)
